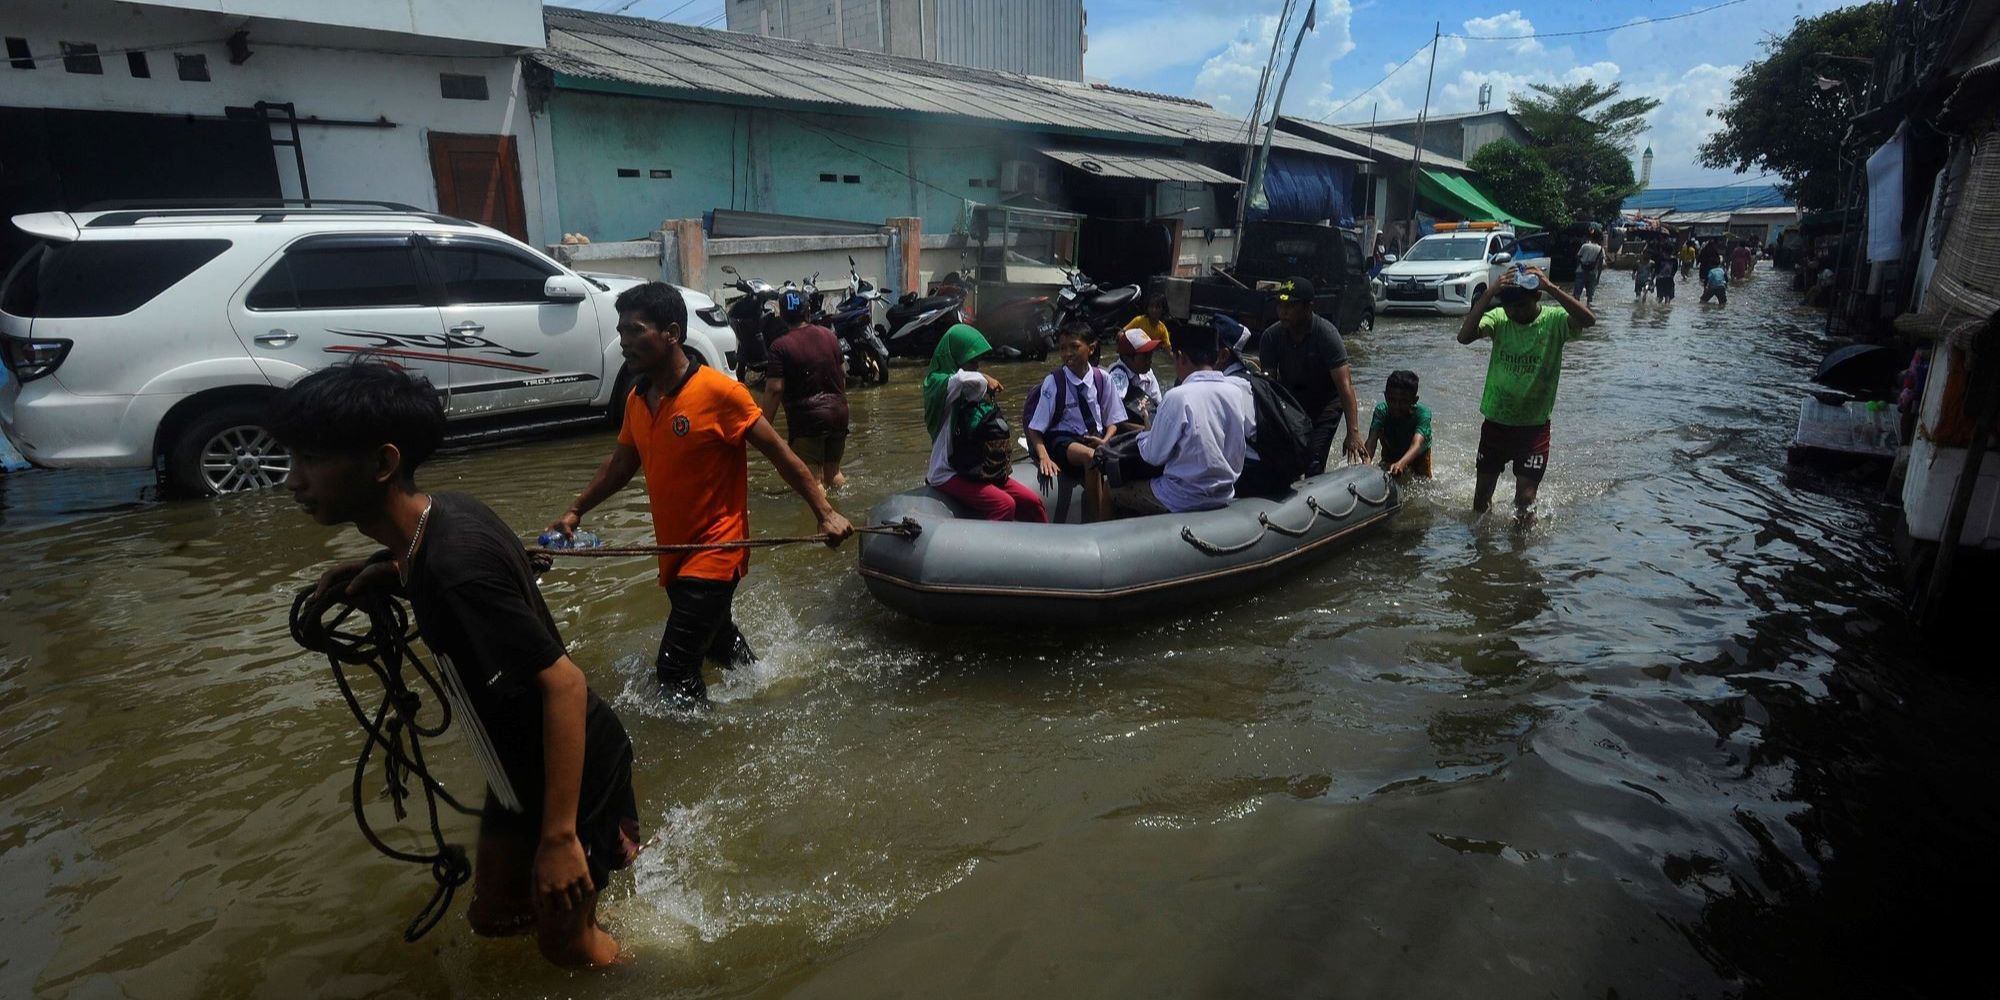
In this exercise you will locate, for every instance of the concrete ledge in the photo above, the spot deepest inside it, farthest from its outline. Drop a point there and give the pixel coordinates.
(741, 245)
(623, 250)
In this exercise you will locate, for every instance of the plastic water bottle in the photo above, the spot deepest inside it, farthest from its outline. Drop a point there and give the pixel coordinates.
(580, 540)
(1524, 280)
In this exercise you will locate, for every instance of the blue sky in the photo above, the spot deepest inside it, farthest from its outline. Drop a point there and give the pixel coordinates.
(1214, 49)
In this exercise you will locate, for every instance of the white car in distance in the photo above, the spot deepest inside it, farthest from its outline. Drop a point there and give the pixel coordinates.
(1445, 272)
(154, 336)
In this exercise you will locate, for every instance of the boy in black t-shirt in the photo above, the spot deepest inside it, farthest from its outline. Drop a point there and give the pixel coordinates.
(560, 815)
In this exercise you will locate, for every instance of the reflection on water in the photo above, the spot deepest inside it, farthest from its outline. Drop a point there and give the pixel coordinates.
(1674, 738)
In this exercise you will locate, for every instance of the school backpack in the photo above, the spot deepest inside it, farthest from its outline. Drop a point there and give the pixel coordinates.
(973, 427)
(1098, 379)
(1282, 428)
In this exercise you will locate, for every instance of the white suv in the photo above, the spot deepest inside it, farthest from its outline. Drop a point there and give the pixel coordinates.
(154, 336)
(1445, 271)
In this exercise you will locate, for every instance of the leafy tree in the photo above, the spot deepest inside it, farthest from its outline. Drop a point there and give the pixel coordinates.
(1788, 112)
(1584, 132)
(1521, 182)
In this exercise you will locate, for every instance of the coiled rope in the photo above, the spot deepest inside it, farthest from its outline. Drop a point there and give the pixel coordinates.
(384, 648)
(1265, 525)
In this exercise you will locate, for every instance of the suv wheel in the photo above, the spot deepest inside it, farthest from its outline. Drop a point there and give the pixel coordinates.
(226, 450)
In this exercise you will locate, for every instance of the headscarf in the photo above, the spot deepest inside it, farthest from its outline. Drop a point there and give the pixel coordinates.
(961, 344)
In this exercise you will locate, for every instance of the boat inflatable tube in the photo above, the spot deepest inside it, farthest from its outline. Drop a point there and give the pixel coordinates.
(962, 570)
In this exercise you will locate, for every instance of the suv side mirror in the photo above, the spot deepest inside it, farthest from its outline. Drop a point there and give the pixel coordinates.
(1388, 258)
(564, 288)
(1500, 258)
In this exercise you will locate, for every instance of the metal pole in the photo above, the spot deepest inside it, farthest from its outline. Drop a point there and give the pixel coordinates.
(1277, 103)
(1250, 145)
(1417, 155)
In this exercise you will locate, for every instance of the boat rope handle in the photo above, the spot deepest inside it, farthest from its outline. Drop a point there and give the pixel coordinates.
(1265, 525)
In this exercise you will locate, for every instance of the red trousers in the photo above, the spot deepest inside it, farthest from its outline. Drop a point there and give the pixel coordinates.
(1012, 501)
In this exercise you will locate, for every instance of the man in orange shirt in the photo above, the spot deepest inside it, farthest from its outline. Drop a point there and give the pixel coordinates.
(686, 425)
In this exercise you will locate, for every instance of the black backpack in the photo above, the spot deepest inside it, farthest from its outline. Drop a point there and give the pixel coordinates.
(1282, 428)
(967, 453)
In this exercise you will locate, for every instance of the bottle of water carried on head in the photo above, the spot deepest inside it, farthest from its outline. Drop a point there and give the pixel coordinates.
(579, 540)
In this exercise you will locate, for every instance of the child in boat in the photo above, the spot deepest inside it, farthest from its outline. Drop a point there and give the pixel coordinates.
(1073, 410)
(1402, 426)
(971, 450)
(1132, 375)
(560, 814)
(1196, 440)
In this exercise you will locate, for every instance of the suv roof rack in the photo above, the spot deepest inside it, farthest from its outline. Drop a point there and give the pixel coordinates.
(128, 213)
(129, 203)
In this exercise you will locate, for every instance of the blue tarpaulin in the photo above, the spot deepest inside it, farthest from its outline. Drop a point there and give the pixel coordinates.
(1303, 188)
(1722, 198)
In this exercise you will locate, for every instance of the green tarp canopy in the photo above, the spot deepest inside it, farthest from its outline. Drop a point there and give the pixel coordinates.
(1457, 194)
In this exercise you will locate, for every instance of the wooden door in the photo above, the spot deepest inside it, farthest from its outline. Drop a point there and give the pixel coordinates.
(479, 178)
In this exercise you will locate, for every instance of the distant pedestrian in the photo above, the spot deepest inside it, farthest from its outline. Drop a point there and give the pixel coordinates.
(1589, 267)
(806, 377)
(1740, 262)
(1715, 284)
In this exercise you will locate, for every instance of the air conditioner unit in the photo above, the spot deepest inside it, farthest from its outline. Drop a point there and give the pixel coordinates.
(1023, 177)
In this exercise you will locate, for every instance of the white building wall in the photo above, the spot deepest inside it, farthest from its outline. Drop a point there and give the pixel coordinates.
(514, 24)
(353, 83)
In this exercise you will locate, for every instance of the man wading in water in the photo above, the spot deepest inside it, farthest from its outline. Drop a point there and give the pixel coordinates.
(1304, 353)
(686, 425)
(560, 815)
(1521, 377)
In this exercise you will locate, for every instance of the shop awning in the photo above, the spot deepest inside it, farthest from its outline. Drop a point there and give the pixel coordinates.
(1137, 167)
(1458, 195)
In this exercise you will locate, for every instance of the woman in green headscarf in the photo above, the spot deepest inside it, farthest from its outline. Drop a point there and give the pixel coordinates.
(960, 350)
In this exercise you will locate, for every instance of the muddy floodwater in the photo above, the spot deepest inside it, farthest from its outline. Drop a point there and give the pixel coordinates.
(1675, 739)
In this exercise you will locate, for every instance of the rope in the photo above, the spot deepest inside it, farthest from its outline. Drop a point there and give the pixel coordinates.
(906, 528)
(384, 648)
(1265, 525)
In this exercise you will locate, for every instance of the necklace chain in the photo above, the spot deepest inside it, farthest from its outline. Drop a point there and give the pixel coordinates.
(416, 538)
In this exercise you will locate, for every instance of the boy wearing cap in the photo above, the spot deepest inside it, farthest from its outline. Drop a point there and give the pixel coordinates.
(806, 373)
(1132, 375)
(1197, 439)
(1304, 353)
(1521, 377)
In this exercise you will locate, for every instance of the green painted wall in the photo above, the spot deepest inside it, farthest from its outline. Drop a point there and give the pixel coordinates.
(758, 160)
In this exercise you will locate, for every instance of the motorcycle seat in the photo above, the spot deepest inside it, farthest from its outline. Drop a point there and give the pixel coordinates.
(1106, 299)
(921, 305)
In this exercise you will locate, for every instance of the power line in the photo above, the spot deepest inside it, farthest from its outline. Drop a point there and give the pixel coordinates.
(1371, 87)
(1596, 31)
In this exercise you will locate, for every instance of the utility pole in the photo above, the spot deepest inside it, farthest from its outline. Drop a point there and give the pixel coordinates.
(1417, 156)
(1256, 192)
(1250, 134)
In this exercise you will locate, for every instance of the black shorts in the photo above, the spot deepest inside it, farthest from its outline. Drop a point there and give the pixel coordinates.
(827, 447)
(700, 626)
(1058, 442)
(607, 820)
(1526, 447)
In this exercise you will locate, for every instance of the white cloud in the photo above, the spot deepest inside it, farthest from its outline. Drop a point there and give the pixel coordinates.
(1139, 48)
(1228, 79)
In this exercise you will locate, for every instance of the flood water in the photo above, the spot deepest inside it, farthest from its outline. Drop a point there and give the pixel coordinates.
(1675, 739)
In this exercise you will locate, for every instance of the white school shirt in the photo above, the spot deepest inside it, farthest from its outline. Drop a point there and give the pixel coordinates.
(1122, 377)
(1106, 406)
(1198, 437)
(963, 386)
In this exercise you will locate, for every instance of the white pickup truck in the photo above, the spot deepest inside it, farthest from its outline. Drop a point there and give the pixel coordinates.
(1446, 271)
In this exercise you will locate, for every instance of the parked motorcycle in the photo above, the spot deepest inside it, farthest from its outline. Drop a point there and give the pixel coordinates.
(917, 322)
(1025, 326)
(755, 324)
(1105, 309)
(853, 321)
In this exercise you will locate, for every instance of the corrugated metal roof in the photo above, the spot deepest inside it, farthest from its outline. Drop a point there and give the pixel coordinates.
(1369, 144)
(1145, 168)
(735, 66)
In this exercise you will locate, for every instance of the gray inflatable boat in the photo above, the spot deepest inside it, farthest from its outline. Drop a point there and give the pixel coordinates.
(961, 570)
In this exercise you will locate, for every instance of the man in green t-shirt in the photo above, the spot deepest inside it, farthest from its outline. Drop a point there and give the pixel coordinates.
(1521, 377)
